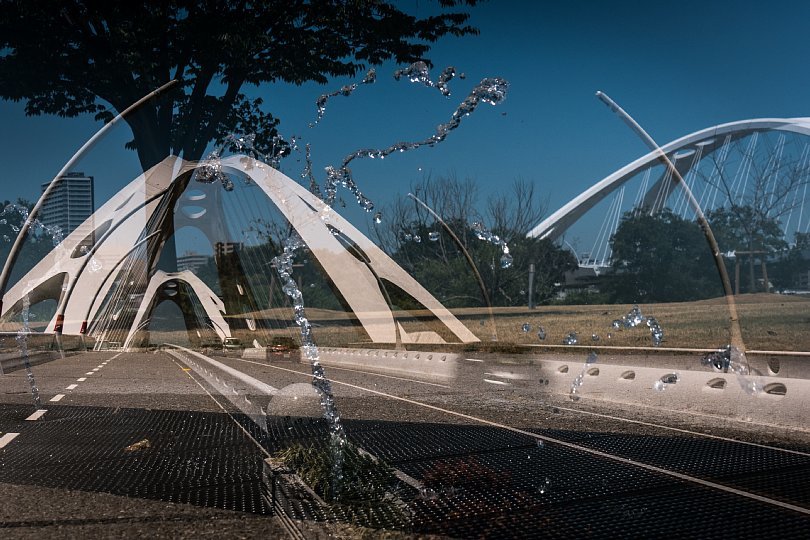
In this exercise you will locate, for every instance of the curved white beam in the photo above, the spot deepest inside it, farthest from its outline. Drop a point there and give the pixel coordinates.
(556, 224)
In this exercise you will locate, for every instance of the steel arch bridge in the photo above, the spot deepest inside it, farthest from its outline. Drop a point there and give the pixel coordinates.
(686, 153)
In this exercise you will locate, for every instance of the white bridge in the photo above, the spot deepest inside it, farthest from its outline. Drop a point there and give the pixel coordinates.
(764, 159)
(106, 278)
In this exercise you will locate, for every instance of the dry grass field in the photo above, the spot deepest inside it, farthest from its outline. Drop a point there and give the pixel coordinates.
(768, 322)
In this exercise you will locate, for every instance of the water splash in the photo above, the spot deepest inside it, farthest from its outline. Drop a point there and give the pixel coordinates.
(22, 341)
(573, 393)
(669, 379)
(418, 72)
(482, 233)
(541, 333)
(489, 90)
(306, 174)
(284, 267)
(346, 91)
(732, 359)
(571, 339)
(656, 332)
(209, 170)
(36, 227)
(634, 318)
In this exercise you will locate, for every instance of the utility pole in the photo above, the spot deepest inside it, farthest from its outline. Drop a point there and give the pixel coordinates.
(531, 286)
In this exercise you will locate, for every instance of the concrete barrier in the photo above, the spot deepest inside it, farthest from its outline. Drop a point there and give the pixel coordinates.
(781, 401)
(430, 366)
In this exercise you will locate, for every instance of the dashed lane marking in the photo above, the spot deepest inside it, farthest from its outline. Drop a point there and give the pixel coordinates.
(81, 379)
(37, 415)
(89, 373)
(57, 397)
(7, 438)
(71, 387)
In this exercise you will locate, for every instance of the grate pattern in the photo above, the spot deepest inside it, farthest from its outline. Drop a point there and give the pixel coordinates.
(477, 481)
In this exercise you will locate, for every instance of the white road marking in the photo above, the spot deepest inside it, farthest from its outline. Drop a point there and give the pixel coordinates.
(37, 415)
(473, 360)
(89, 373)
(7, 438)
(94, 369)
(81, 379)
(71, 387)
(490, 381)
(57, 397)
(680, 430)
(247, 379)
(288, 523)
(585, 449)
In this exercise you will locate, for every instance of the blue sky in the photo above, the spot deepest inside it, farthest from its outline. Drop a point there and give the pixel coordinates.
(676, 67)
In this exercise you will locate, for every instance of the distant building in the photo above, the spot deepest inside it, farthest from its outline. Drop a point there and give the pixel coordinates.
(226, 248)
(70, 203)
(191, 261)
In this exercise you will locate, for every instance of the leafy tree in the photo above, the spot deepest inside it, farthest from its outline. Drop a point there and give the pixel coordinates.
(793, 263)
(660, 258)
(747, 229)
(81, 56)
(437, 260)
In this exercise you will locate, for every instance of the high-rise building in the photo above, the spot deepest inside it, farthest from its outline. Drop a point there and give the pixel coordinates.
(191, 261)
(70, 203)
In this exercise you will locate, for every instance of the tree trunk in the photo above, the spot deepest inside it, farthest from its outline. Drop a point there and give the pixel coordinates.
(752, 286)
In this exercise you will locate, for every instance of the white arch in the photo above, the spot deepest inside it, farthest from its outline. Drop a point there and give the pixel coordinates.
(126, 217)
(555, 225)
(211, 303)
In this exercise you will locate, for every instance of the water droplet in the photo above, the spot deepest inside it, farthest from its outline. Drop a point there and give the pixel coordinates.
(433, 236)
(94, 265)
(378, 218)
(526, 327)
(541, 334)
(594, 337)
(506, 260)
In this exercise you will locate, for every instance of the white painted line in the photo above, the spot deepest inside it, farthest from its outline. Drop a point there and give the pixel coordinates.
(490, 381)
(94, 369)
(37, 415)
(473, 360)
(89, 373)
(72, 387)
(7, 438)
(247, 379)
(584, 449)
(81, 379)
(680, 430)
(57, 397)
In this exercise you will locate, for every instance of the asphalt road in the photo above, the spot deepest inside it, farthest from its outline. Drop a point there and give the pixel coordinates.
(158, 445)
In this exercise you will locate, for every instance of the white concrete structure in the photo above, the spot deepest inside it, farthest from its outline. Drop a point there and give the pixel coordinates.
(108, 281)
(680, 152)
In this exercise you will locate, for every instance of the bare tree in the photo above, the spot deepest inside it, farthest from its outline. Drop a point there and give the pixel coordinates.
(759, 193)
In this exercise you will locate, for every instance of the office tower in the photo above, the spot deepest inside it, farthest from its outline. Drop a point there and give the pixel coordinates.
(70, 203)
